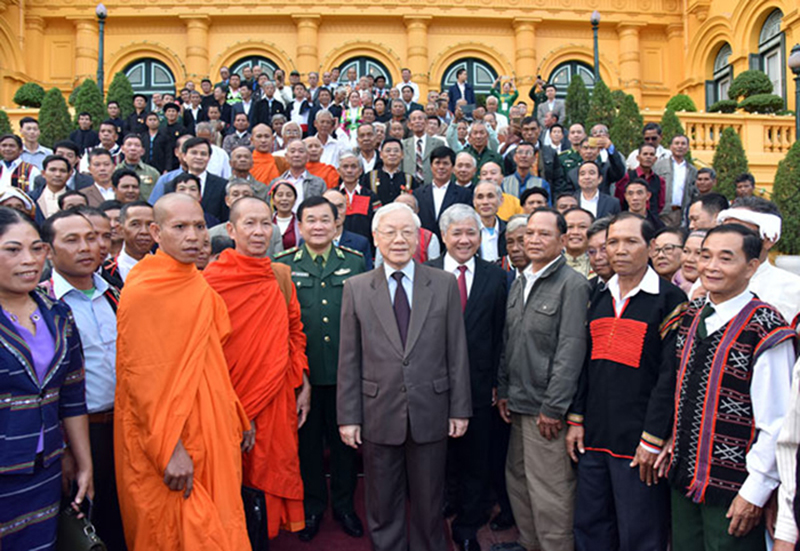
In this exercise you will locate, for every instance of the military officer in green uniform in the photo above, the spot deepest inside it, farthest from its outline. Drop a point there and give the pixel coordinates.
(133, 149)
(319, 270)
(570, 158)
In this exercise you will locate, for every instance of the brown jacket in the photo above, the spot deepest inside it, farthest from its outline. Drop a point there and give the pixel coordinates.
(388, 389)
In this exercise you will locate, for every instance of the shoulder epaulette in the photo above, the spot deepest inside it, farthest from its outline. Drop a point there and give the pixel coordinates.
(352, 251)
(287, 252)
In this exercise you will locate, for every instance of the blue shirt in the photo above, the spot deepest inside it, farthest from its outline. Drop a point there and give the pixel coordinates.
(408, 281)
(158, 189)
(97, 325)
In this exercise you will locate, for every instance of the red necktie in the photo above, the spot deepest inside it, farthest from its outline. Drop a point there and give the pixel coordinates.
(462, 286)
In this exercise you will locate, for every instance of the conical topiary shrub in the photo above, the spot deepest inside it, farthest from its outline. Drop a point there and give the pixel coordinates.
(670, 127)
(89, 100)
(5, 124)
(729, 162)
(54, 121)
(601, 107)
(626, 131)
(786, 194)
(121, 91)
(577, 102)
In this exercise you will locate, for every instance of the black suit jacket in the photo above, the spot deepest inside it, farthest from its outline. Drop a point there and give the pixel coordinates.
(484, 319)
(357, 243)
(159, 155)
(239, 108)
(312, 114)
(263, 113)
(213, 200)
(427, 211)
(190, 122)
(454, 94)
(612, 171)
(606, 204)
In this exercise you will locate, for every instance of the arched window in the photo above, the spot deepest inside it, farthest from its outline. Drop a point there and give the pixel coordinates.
(563, 74)
(772, 52)
(149, 76)
(717, 87)
(268, 67)
(479, 73)
(364, 66)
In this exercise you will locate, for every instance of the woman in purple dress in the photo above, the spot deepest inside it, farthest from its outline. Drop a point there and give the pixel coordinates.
(42, 399)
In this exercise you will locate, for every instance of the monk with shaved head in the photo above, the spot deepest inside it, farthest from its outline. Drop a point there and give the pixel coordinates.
(264, 167)
(266, 356)
(178, 424)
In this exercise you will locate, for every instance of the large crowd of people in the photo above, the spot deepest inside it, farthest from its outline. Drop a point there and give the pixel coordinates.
(261, 282)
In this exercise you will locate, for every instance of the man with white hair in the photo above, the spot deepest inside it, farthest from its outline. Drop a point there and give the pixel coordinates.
(306, 184)
(331, 147)
(361, 201)
(487, 198)
(403, 384)
(483, 290)
(465, 168)
(428, 246)
(773, 285)
(290, 132)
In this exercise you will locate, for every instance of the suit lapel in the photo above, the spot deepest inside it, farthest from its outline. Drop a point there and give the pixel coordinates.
(381, 303)
(448, 198)
(421, 302)
(478, 286)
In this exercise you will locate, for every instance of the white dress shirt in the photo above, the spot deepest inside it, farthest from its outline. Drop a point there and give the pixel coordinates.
(490, 242)
(678, 182)
(777, 287)
(125, 263)
(590, 204)
(770, 395)
(108, 193)
(413, 85)
(648, 284)
(438, 197)
(368, 166)
(97, 324)
(451, 265)
(331, 150)
(633, 159)
(219, 164)
(531, 276)
(408, 281)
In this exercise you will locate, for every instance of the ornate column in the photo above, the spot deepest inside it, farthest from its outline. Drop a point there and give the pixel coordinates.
(86, 36)
(630, 66)
(196, 45)
(34, 41)
(676, 44)
(307, 43)
(525, 46)
(417, 51)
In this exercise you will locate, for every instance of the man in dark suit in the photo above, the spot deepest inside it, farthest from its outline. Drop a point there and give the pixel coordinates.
(76, 180)
(246, 106)
(612, 170)
(135, 123)
(460, 90)
(482, 288)
(486, 198)
(407, 95)
(196, 154)
(590, 195)
(267, 106)
(403, 384)
(324, 101)
(194, 113)
(389, 181)
(434, 199)
(344, 238)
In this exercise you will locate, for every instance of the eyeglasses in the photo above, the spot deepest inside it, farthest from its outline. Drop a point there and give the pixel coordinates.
(406, 234)
(667, 249)
(651, 139)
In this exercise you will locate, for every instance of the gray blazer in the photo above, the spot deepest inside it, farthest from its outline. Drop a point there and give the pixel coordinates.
(410, 155)
(312, 185)
(663, 168)
(387, 388)
(544, 342)
(558, 108)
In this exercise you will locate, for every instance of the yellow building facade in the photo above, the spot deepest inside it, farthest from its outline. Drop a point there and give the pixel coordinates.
(652, 49)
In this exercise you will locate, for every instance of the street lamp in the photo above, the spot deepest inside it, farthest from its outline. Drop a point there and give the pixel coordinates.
(794, 65)
(595, 25)
(102, 12)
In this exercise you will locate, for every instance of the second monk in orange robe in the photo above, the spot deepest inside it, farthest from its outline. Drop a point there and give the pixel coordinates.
(267, 360)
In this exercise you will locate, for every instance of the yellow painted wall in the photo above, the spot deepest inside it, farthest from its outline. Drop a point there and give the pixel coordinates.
(650, 48)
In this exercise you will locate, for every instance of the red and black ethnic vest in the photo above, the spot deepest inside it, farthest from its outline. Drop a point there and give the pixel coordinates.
(714, 423)
(21, 176)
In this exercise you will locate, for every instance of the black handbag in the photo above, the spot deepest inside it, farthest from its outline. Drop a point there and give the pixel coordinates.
(76, 534)
(255, 514)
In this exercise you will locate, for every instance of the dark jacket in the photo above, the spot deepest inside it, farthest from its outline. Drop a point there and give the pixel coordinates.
(612, 172)
(353, 241)
(262, 113)
(427, 211)
(213, 200)
(606, 204)
(190, 122)
(30, 406)
(454, 94)
(484, 319)
(545, 342)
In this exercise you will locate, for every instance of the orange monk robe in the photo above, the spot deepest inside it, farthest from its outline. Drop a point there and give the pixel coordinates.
(264, 168)
(173, 383)
(266, 357)
(326, 172)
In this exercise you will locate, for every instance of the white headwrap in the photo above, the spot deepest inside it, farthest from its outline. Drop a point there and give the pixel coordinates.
(769, 225)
